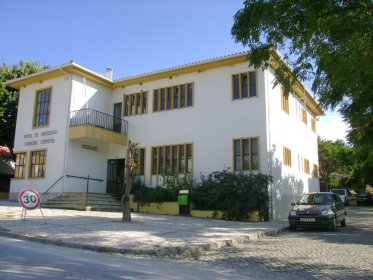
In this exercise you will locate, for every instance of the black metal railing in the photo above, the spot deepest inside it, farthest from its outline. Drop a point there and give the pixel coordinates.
(98, 119)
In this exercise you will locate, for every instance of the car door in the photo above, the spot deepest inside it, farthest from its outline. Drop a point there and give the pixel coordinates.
(340, 212)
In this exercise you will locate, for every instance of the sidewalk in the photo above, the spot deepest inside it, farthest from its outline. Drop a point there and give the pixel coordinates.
(147, 233)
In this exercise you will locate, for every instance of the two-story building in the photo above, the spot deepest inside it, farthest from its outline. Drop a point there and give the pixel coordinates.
(75, 124)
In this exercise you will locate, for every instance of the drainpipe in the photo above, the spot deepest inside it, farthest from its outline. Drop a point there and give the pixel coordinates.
(269, 141)
(70, 76)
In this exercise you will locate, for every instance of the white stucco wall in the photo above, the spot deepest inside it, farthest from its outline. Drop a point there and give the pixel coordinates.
(28, 139)
(211, 124)
(288, 130)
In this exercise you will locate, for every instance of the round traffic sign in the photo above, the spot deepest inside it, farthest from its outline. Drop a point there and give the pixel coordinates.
(29, 199)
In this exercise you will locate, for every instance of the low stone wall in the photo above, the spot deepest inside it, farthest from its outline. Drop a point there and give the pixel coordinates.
(172, 208)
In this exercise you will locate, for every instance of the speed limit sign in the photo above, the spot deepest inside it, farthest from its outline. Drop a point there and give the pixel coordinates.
(29, 199)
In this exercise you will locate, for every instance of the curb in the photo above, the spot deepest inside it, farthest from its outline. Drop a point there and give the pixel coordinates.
(192, 250)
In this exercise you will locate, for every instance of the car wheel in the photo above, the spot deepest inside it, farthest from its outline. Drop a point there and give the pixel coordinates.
(292, 228)
(343, 223)
(333, 226)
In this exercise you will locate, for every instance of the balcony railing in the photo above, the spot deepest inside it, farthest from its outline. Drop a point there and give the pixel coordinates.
(98, 119)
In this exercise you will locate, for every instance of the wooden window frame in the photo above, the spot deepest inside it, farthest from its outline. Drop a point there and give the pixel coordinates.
(36, 115)
(164, 165)
(32, 164)
(284, 102)
(175, 97)
(240, 77)
(287, 157)
(313, 125)
(315, 170)
(135, 103)
(20, 170)
(241, 155)
(307, 166)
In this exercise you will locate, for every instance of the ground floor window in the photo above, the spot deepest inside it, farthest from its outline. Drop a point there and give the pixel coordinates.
(172, 159)
(20, 168)
(38, 164)
(140, 161)
(246, 154)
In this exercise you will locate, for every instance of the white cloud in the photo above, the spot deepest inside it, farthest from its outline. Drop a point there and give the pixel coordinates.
(332, 127)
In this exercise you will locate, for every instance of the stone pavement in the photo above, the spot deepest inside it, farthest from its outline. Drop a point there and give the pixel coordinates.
(147, 234)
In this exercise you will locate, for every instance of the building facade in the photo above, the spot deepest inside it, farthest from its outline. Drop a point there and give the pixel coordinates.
(73, 128)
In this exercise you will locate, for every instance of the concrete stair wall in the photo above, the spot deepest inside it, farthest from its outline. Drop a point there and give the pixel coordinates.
(80, 201)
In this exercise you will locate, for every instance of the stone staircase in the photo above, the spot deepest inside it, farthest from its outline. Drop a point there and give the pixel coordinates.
(82, 201)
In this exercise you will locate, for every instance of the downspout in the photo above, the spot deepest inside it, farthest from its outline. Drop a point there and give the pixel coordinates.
(70, 76)
(269, 142)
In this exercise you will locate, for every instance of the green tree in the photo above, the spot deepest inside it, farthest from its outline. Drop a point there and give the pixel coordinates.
(327, 41)
(9, 97)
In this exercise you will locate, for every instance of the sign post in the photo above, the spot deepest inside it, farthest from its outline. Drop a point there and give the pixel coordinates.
(29, 199)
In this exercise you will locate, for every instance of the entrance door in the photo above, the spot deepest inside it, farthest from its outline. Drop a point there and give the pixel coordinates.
(117, 120)
(115, 174)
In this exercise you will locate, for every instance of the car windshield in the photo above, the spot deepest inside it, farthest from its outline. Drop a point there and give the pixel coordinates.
(340, 192)
(316, 199)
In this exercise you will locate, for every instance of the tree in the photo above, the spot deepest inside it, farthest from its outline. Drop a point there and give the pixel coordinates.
(9, 97)
(130, 172)
(327, 41)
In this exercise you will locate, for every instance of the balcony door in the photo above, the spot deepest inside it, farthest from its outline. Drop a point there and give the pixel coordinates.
(115, 174)
(117, 120)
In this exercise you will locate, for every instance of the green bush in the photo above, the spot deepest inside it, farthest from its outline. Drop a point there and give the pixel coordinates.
(233, 194)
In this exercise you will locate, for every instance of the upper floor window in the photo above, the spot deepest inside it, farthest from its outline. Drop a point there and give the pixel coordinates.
(174, 97)
(246, 154)
(304, 116)
(284, 102)
(136, 103)
(244, 85)
(20, 168)
(313, 125)
(42, 104)
(316, 170)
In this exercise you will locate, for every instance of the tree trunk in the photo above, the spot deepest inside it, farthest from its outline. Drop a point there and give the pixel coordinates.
(126, 196)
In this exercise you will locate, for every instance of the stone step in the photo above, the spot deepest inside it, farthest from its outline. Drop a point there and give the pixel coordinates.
(80, 201)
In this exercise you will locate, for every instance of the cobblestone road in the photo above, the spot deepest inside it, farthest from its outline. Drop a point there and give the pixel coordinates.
(305, 254)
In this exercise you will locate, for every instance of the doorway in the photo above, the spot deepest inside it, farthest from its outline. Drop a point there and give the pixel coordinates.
(117, 120)
(115, 175)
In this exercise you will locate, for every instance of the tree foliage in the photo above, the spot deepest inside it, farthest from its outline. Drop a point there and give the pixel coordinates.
(9, 97)
(327, 41)
(344, 166)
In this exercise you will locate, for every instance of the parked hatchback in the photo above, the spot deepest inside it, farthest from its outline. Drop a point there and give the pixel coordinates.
(318, 210)
(364, 198)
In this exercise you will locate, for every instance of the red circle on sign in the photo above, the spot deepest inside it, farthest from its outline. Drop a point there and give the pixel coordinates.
(29, 199)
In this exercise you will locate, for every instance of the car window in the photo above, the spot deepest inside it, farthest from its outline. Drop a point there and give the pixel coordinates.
(340, 192)
(337, 198)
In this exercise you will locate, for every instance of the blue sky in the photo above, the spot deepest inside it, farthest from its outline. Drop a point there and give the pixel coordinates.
(131, 36)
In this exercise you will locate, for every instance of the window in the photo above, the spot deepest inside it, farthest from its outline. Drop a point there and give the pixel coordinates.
(172, 159)
(284, 102)
(42, 105)
(139, 158)
(286, 156)
(20, 168)
(306, 166)
(315, 170)
(174, 97)
(313, 125)
(135, 104)
(244, 85)
(304, 116)
(38, 164)
(246, 154)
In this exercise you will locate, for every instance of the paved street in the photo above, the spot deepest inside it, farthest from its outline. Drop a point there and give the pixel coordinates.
(305, 254)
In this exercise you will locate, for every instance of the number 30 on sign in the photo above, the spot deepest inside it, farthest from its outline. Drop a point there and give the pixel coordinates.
(29, 199)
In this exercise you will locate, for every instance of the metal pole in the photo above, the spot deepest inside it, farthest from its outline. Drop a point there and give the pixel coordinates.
(86, 196)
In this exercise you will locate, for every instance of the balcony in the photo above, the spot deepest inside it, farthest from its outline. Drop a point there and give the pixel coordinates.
(92, 124)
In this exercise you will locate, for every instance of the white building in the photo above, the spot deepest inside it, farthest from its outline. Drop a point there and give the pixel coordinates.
(211, 115)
